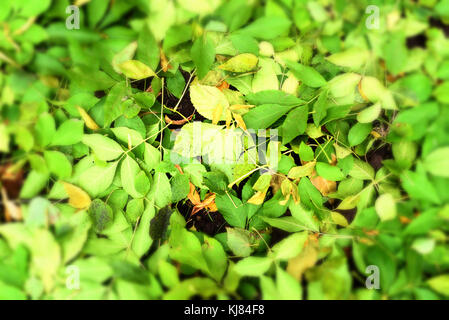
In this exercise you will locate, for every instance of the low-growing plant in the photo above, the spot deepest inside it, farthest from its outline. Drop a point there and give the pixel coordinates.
(224, 149)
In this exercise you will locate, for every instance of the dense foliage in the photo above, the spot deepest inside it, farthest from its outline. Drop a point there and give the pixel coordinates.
(113, 135)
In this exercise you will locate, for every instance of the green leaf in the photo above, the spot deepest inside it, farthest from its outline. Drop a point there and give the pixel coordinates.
(267, 28)
(215, 257)
(288, 224)
(128, 136)
(289, 247)
(308, 75)
(135, 69)
(441, 92)
(68, 133)
(58, 164)
(288, 287)
(304, 217)
(437, 162)
(369, 114)
(273, 97)
(253, 266)
(295, 124)
(329, 172)
(134, 209)
(159, 224)
(232, 209)
(265, 115)
(239, 242)
(362, 170)
(33, 184)
(186, 248)
(46, 257)
(358, 133)
(142, 240)
(203, 55)
(353, 58)
(266, 77)
(320, 108)
(147, 48)
(97, 179)
(180, 187)
(306, 152)
(395, 53)
(440, 284)
(152, 156)
(45, 129)
(101, 215)
(128, 172)
(113, 101)
(161, 190)
(104, 148)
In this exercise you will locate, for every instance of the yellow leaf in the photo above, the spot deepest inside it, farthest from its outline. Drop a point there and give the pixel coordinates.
(216, 114)
(241, 63)
(206, 99)
(258, 197)
(339, 219)
(90, 123)
(305, 260)
(136, 70)
(78, 198)
(239, 119)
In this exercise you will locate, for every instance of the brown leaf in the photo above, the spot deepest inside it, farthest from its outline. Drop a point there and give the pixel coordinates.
(178, 122)
(12, 211)
(323, 185)
(164, 62)
(223, 85)
(11, 177)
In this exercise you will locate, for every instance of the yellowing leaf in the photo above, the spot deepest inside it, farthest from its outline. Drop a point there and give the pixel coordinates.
(386, 207)
(136, 70)
(90, 123)
(241, 63)
(258, 197)
(78, 198)
(372, 89)
(353, 58)
(306, 259)
(301, 171)
(349, 203)
(206, 100)
(239, 119)
(339, 219)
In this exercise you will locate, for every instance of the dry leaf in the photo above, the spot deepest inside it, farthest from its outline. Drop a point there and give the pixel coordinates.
(177, 122)
(12, 211)
(323, 185)
(164, 62)
(224, 85)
